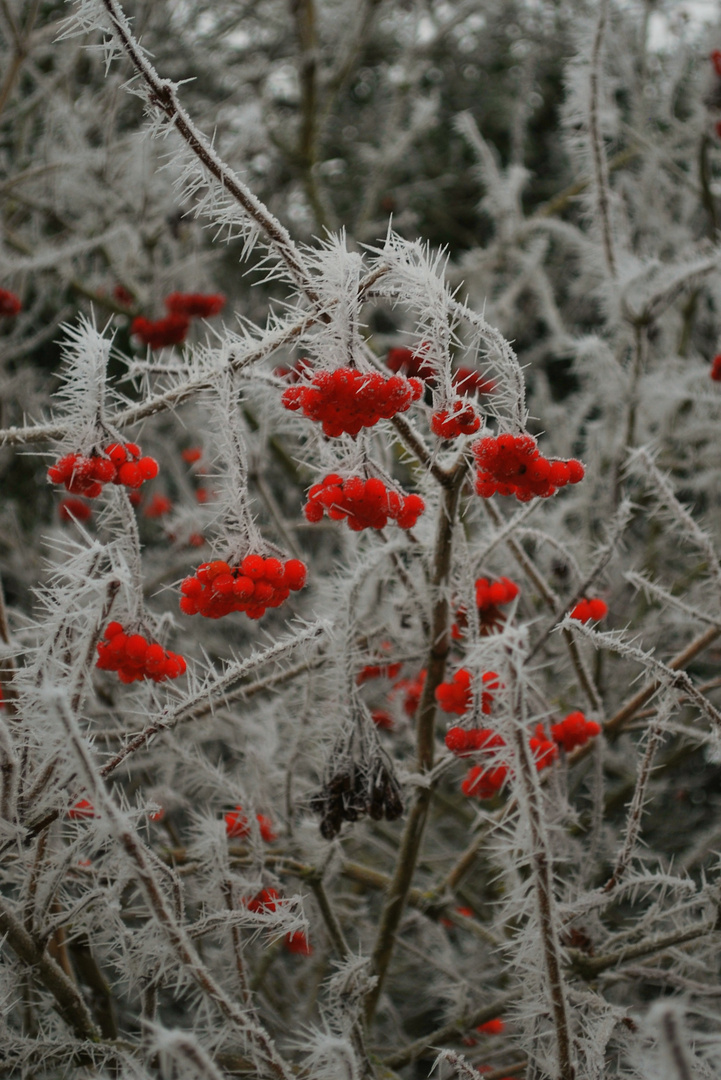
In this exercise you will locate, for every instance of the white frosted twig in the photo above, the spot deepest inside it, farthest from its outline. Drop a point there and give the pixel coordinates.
(233, 674)
(657, 592)
(598, 150)
(175, 933)
(661, 488)
(664, 674)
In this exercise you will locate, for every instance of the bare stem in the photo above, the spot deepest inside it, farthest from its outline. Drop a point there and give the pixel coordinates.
(598, 152)
(439, 646)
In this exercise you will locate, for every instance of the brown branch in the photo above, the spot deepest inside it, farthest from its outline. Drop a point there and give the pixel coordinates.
(589, 967)
(68, 1000)
(453, 1029)
(439, 646)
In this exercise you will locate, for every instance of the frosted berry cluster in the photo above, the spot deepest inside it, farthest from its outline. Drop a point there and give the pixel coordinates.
(456, 696)
(217, 588)
(716, 368)
(462, 419)
(365, 504)
(378, 671)
(173, 329)
(159, 333)
(513, 465)
(270, 900)
(495, 593)
(134, 657)
(468, 381)
(265, 900)
(195, 305)
(411, 690)
(346, 400)
(485, 783)
(482, 783)
(463, 741)
(574, 731)
(121, 463)
(490, 596)
(587, 610)
(412, 364)
(237, 826)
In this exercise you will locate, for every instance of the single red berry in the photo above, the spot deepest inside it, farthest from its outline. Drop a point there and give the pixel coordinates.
(129, 475)
(236, 824)
(298, 943)
(74, 509)
(295, 574)
(82, 809)
(10, 304)
(492, 1027)
(267, 832)
(266, 900)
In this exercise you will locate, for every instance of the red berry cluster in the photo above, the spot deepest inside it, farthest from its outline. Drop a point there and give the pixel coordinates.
(157, 333)
(120, 464)
(216, 588)
(456, 696)
(463, 741)
(378, 671)
(158, 506)
(494, 593)
(195, 305)
(468, 381)
(574, 731)
(293, 373)
(544, 750)
(365, 504)
(133, 657)
(490, 595)
(513, 465)
(411, 690)
(382, 719)
(462, 419)
(265, 900)
(347, 400)
(484, 783)
(716, 368)
(586, 610)
(237, 826)
(10, 304)
(74, 510)
(412, 364)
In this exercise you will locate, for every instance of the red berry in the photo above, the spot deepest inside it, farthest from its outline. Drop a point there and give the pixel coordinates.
(295, 574)
(10, 304)
(130, 475)
(148, 468)
(236, 824)
(82, 809)
(253, 566)
(298, 943)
